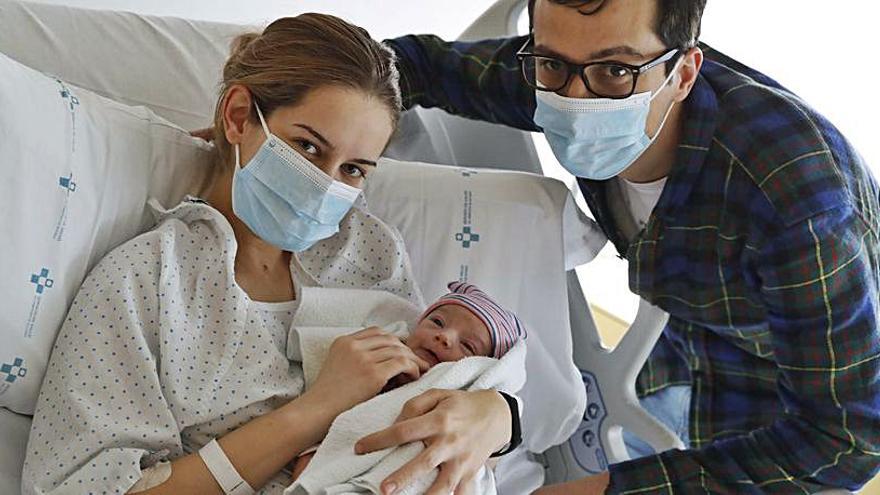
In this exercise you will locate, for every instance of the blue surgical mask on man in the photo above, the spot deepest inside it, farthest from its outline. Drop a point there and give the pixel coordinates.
(597, 138)
(285, 199)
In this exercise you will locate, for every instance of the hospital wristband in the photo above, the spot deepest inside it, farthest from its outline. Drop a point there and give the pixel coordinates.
(515, 427)
(223, 471)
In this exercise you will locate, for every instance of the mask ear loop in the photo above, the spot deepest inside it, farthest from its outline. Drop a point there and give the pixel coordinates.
(263, 121)
(668, 110)
(668, 78)
(265, 130)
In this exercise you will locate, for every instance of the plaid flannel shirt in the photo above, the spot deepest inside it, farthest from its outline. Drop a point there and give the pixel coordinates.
(764, 250)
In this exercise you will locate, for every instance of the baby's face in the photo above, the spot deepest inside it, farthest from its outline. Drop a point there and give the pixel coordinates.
(450, 333)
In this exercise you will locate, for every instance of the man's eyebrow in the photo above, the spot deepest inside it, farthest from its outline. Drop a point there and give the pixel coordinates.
(616, 50)
(316, 134)
(605, 53)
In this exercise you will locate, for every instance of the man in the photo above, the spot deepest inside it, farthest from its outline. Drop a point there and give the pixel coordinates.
(741, 211)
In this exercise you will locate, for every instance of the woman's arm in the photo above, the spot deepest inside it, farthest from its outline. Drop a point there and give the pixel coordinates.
(258, 449)
(357, 367)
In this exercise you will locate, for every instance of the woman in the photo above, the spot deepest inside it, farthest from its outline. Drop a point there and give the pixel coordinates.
(169, 375)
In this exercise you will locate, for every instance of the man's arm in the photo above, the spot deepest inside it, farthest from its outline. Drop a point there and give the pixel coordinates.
(478, 80)
(820, 284)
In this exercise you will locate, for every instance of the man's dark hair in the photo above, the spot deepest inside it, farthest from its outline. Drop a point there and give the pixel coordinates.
(678, 21)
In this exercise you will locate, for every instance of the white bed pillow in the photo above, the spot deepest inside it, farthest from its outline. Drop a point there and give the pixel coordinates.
(75, 172)
(169, 65)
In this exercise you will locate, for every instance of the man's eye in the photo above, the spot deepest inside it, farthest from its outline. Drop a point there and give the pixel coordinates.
(616, 71)
(549, 64)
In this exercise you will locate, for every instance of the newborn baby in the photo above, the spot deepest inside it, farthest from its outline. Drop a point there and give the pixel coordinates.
(463, 323)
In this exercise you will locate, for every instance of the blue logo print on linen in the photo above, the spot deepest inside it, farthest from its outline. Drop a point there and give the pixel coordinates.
(69, 186)
(13, 371)
(42, 281)
(67, 95)
(72, 103)
(67, 183)
(466, 237)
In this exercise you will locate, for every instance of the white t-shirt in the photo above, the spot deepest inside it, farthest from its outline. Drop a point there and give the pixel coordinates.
(641, 198)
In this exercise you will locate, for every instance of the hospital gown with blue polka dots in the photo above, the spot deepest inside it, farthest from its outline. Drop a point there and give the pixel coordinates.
(162, 351)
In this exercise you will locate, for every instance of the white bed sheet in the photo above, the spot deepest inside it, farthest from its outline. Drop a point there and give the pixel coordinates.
(14, 429)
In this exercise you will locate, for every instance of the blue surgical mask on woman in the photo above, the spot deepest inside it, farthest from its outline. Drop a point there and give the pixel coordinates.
(597, 138)
(285, 199)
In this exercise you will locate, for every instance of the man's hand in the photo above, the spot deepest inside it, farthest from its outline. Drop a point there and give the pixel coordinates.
(591, 485)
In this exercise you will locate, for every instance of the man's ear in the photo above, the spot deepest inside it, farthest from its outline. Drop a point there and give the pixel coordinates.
(688, 71)
(237, 105)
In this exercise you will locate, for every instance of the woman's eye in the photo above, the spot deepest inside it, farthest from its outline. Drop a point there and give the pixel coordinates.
(307, 146)
(353, 171)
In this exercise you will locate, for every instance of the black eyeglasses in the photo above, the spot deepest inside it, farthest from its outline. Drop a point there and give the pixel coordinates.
(605, 79)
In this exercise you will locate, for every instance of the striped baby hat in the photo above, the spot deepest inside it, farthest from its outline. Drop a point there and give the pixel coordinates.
(504, 327)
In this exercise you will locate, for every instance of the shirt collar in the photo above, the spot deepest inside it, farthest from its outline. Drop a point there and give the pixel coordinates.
(698, 129)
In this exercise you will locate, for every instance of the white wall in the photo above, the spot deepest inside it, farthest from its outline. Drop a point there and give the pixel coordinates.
(827, 52)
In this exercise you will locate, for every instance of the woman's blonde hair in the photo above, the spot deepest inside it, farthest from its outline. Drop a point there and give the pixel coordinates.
(295, 55)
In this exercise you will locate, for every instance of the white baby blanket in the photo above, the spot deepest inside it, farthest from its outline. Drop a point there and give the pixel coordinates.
(324, 315)
(336, 469)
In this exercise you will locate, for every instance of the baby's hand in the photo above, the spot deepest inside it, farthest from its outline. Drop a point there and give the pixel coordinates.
(398, 381)
(300, 464)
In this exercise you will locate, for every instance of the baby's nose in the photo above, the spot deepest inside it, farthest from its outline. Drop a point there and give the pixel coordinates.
(443, 339)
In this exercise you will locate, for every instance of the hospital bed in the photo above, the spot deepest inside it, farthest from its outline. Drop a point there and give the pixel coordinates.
(72, 43)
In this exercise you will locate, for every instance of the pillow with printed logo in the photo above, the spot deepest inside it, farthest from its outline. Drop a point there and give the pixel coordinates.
(75, 172)
(513, 234)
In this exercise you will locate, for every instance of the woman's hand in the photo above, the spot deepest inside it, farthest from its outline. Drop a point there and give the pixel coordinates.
(591, 485)
(360, 364)
(460, 430)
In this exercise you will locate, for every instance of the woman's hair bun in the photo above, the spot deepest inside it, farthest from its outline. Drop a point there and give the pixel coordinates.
(241, 42)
